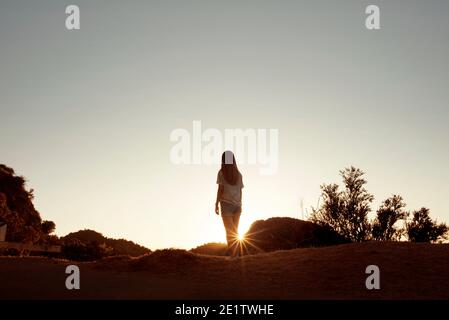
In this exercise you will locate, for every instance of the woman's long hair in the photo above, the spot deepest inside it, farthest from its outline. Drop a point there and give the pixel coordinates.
(229, 167)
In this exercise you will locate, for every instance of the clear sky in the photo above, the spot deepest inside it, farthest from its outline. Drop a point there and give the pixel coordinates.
(86, 115)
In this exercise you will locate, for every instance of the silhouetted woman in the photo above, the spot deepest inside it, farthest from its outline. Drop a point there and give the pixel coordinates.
(229, 195)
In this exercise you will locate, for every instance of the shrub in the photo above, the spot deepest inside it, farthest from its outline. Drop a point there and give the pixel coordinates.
(79, 251)
(423, 229)
(390, 212)
(48, 227)
(346, 211)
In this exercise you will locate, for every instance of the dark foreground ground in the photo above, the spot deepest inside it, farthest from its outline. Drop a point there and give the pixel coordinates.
(407, 271)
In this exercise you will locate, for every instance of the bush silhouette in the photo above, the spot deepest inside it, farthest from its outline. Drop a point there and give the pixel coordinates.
(48, 227)
(77, 250)
(390, 212)
(346, 211)
(423, 229)
(87, 245)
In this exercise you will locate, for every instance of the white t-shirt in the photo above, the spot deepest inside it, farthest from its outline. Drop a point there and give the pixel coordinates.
(231, 193)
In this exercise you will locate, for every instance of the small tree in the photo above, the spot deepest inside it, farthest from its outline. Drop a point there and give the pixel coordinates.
(346, 211)
(48, 227)
(390, 212)
(423, 229)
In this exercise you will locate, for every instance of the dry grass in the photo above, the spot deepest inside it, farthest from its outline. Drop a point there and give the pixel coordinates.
(408, 271)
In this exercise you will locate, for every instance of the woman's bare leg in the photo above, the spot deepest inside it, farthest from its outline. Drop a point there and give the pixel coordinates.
(235, 220)
(237, 251)
(231, 235)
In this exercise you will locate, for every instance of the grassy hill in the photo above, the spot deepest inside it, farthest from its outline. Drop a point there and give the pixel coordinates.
(282, 233)
(211, 248)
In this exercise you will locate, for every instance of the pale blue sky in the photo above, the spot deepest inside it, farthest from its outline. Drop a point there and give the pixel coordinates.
(86, 115)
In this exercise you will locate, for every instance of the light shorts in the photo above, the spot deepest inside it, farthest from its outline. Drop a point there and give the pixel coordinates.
(229, 209)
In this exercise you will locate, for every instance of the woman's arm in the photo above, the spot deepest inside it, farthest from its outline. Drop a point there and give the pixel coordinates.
(219, 193)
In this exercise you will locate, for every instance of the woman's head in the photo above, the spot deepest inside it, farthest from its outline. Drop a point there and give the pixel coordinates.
(229, 167)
